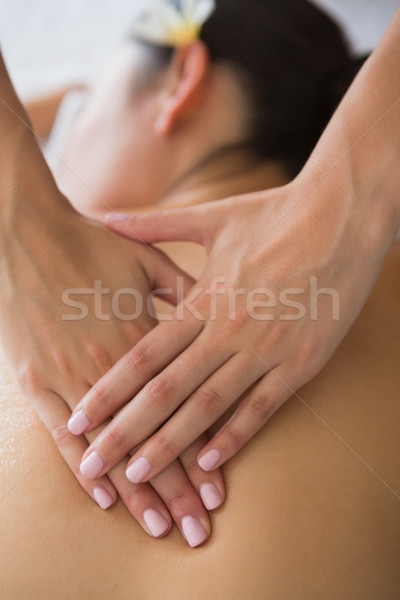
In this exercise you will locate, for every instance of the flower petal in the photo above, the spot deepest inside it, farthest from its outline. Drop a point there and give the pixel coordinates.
(188, 8)
(165, 23)
(168, 14)
(158, 22)
(203, 10)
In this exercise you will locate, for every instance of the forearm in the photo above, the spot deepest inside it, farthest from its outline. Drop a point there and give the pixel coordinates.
(24, 176)
(358, 156)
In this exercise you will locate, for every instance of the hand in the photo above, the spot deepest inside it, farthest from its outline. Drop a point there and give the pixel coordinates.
(58, 351)
(172, 495)
(252, 340)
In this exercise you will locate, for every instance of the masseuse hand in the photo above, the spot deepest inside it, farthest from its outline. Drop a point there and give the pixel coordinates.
(45, 250)
(58, 351)
(253, 327)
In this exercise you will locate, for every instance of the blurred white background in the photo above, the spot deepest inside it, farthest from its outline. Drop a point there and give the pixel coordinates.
(48, 43)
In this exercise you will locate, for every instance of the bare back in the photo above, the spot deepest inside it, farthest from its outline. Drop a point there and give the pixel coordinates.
(312, 509)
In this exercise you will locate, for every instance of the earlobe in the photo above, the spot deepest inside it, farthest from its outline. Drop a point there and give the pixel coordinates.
(189, 69)
(163, 124)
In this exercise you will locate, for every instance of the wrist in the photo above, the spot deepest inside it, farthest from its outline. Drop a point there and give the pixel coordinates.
(353, 183)
(348, 222)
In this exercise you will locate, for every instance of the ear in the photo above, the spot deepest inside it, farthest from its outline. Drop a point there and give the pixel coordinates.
(188, 72)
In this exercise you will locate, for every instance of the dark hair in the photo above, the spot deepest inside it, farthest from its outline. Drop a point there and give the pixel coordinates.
(294, 63)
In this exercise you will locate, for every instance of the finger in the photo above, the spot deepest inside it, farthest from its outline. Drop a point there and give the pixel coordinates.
(197, 414)
(184, 504)
(148, 503)
(156, 350)
(167, 280)
(210, 486)
(252, 414)
(183, 224)
(55, 413)
(143, 503)
(149, 409)
(141, 500)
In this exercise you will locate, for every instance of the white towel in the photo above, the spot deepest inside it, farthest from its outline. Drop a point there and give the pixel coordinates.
(53, 149)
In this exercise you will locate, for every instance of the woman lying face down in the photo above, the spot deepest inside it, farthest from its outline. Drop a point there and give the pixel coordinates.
(237, 111)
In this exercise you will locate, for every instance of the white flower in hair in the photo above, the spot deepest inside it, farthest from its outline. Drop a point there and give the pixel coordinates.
(170, 23)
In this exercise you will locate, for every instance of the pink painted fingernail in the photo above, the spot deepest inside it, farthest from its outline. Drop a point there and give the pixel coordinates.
(103, 498)
(115, 217)
(78, 423)
(210, 496)
(155, 522)
(210, 459)
(91, 466)
(138, 470)
(193, 531)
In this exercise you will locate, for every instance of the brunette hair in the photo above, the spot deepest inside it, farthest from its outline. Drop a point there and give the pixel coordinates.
(293, 63)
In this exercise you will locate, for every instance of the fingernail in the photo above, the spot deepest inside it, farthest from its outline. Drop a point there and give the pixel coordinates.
(193, 531)
(210, 496)
(103, 498)
(91, 466)
(113, 217)
(155, 522)
(78, 423)
(210, 459)
(138, 470)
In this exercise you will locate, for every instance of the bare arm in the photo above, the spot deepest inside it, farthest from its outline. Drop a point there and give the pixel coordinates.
(47, 251)
(358, 156)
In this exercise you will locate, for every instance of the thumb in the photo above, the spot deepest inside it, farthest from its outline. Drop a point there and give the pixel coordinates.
(167, 280)
(191, 224)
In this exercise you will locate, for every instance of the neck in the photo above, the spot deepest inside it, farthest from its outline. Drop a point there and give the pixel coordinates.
(221, 174)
